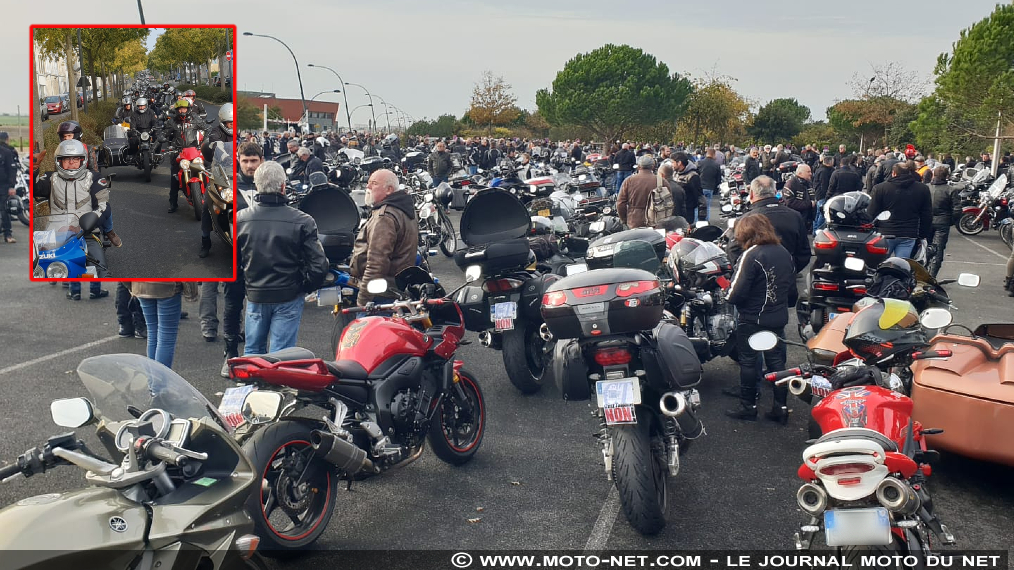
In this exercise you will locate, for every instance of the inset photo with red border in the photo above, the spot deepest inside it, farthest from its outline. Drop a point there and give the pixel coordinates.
(132, 171)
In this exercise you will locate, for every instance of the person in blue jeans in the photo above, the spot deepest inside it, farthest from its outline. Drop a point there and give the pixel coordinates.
(625, 160)
(161, 303)
(282, 260)
(911, 206)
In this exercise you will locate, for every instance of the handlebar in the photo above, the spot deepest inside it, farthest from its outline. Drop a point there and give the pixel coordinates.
(153, 449)
(931, 354)
(774, 376)
(933, 294)
(9, 471)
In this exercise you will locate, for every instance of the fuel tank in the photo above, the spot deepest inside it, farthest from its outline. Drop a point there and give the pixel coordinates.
(870, 407)
(370, 341)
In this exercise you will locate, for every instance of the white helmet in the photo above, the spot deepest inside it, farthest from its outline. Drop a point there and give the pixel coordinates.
(72, 148)
(323, 142)
(225, 116)
(142, 102)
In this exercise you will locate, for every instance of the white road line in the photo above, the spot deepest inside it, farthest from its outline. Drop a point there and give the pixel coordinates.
(949, 261)
(57, 354)
(989, 249)
(604, 524)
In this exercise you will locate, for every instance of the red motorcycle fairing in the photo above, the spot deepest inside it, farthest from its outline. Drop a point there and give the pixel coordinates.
(870, 407)
(371, 341)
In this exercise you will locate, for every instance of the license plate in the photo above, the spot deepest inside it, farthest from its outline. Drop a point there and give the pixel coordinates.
(616, 393)
(231, 407)
(544, 213)
(857, 527)
(503, 315)
(577, 268)
(620, 415)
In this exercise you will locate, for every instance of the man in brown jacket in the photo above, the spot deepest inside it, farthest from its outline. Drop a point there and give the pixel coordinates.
(636, 191)
(387, 243)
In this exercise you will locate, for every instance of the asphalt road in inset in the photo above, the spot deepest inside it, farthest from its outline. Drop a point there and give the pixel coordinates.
(537, 482)
(157, 244)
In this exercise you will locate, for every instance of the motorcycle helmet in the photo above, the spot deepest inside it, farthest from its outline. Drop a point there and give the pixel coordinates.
(443, 194)
(71, 148)
(884, 328)
(142, 105)
(542, 226)
(391, 140)
(69, 128)
(190, 95)
(848, 209)
(894, 280)
(225, 115)
(182, 107)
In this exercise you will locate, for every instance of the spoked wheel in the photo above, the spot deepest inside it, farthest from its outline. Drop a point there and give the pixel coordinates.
(524, 356)
(450, 239)
(970, 225)
(294, 502)
(197, 199)
(456, 430)
(23, 212)
(640, 475)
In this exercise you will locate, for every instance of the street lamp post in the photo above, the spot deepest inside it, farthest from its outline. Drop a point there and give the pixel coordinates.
(348, 115)
(387, 113)
(370, 105)
(862, 135)
(371, 102)
(302, 97)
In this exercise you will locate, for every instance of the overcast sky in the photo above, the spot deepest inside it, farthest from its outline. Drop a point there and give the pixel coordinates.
(425, 57)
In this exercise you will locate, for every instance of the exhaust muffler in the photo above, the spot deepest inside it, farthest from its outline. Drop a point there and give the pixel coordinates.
(812, 499)
(798, 386)
(674, 405)
(898, 497)
(345, 456)
(485, 339)
(545, 334)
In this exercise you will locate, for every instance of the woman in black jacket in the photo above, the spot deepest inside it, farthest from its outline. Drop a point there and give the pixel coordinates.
(762, 289)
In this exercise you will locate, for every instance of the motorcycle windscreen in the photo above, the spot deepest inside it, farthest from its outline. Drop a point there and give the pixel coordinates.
(898, 313)
(114, 132)
(636, 254)
(337, 218)
(52, 232)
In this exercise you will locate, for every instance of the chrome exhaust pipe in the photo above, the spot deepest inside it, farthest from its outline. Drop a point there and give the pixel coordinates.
(345, 456)
(672, 404)
(485, 339)
(545, 334)
(798, 386)
(898, 497)
(812, 499)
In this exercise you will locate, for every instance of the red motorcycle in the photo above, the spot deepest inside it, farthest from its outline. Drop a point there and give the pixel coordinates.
(865, 477)
(193, 176)
(393, 384)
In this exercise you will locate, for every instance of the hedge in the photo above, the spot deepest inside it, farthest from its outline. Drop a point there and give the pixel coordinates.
(208, 93)
(98, 117)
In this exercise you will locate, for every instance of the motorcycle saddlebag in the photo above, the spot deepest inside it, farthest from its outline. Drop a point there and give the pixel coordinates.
(570, 371)
(459, 197)
(532, 292)
(672, 357)
(473, 305)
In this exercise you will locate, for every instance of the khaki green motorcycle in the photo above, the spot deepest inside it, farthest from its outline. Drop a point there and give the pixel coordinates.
(171, 498)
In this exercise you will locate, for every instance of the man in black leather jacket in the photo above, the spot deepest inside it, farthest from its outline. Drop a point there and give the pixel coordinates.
(7, 179)
(625, 159)
(845, 179)
(141, 119)
(282, 260)
(946, 213)
(752, 167)
(310, 164)
(789, 225)
(910, 204)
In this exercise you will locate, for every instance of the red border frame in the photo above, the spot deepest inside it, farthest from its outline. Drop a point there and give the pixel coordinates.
(31, 135)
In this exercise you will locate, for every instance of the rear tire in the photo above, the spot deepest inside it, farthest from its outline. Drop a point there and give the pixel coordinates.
(23, 213)
(341, 321)
(853, 555)
(451, 420)
(449, 243)
(267, 449)
(968, 226)
(525, 368)
(640, 478)
(197, 198)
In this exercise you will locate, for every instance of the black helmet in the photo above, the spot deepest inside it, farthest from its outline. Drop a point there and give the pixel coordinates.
(894, 280)
(848, 209)
(883, 328)
(896, 267)
(443, 194)
(69, 128)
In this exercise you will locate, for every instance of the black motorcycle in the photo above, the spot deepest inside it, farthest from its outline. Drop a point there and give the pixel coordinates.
(643, 370)
(702, 276)
(495, 226)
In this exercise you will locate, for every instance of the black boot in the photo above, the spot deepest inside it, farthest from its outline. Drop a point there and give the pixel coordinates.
(231, 351)
(205, 247)
(778, 414)
(744, 412)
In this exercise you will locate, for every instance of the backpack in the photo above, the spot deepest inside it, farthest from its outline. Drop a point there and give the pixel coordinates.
(660, 203)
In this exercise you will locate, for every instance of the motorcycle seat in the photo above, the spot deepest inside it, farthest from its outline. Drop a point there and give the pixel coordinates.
(346, 369)
(860, 433)
(293, 353)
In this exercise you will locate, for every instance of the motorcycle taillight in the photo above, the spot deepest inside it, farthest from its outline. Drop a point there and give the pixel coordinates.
(877, 246)
(501, 285)
(612, 356)
(825, 240)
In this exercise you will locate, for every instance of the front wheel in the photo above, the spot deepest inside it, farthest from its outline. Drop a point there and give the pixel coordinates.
(23, 212)
(457, 428)
(449, 239)
(295, 499)
(640, 476)
(341, 322)
(197, 199)
(524, 356)
(970, 225)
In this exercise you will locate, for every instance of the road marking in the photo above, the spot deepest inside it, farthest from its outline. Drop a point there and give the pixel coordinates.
(57, 354)
(949, 261)
(604, 524)
(989, 249)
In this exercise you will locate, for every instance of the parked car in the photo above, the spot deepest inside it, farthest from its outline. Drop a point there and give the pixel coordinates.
(55, 104)
(43, 110)
(80, 99)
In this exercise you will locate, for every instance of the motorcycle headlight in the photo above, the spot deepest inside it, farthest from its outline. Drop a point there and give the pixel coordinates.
(57, 270)
(227, 194)
(185, 164)
(38, 272)
(198, 163)
(145, 136)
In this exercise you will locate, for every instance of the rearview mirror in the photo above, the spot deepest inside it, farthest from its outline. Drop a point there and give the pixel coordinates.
(71, 412)
(935, 318)
(854, 264)
(763, 340)
(473, 273)
(884, 216)
(377, 286)
(968, 280)
(261, 406)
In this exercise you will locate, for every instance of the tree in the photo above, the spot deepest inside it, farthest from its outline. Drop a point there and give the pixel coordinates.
(715, 112)
(889, 80)
(778, 121)
(493, 104)
(819, 134)
(612, 90)
(56, 43)
(444, 126)
(247, 115)
(868, 119)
